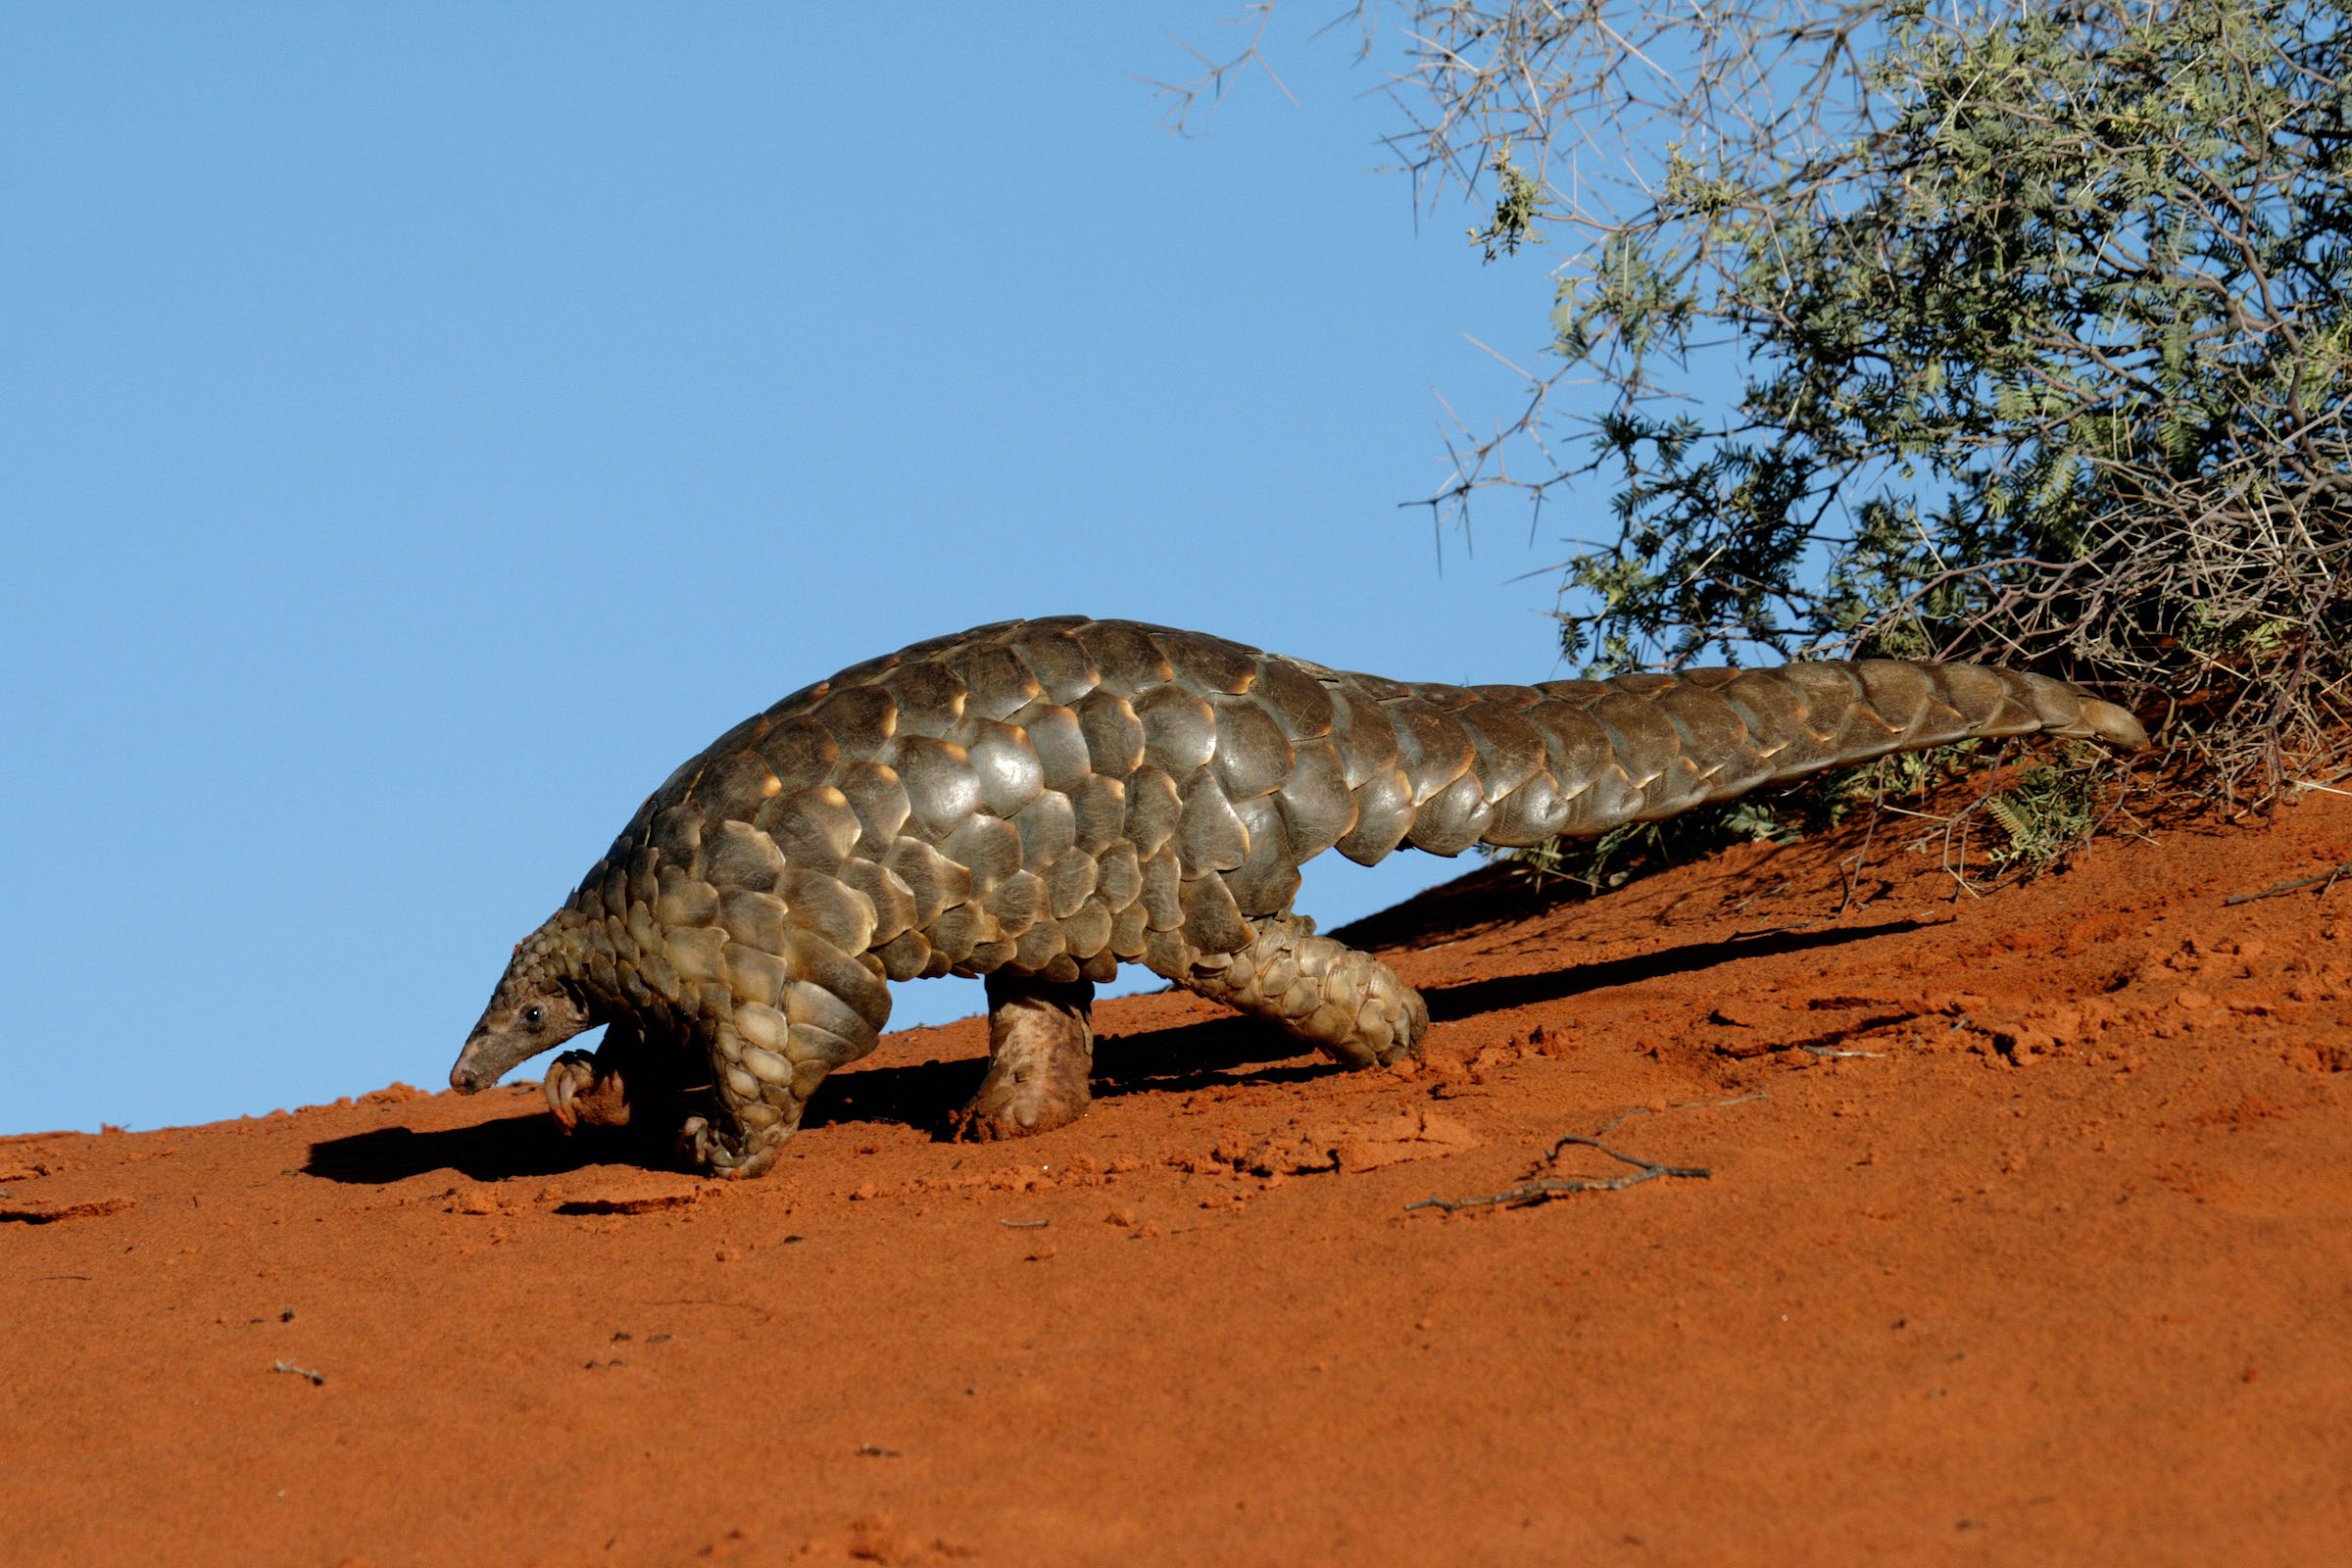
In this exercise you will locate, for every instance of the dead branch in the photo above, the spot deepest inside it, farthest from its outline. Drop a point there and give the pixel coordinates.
(1870, 831)
(1544, 1188)
(2322, 883)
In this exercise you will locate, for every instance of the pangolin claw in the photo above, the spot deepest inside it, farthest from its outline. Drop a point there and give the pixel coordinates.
(579, 1090)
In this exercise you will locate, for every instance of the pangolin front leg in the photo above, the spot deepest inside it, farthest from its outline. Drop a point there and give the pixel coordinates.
(579, 1090)
(625, 1082)
(1349, 1004)
(1041, 1050)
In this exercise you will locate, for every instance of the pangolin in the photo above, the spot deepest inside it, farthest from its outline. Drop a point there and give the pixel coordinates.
(1038, 802)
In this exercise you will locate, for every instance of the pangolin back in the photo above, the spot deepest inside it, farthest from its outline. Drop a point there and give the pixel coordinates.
(1051, 794)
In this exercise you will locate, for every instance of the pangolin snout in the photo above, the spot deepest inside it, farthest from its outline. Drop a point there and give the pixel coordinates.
(466, 1074)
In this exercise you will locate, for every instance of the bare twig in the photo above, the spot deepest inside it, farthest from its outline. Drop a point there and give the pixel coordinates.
(1544, 1188)
(1217, 75)
(299, 1371)
(1870, 831)
(2322, 883)
(1769, 931)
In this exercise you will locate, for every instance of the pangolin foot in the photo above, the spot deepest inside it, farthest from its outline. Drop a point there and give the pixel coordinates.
(579, 1091)
(1013, 1103)
(1041, 1043)
(728, 1155)
(1349, 1004)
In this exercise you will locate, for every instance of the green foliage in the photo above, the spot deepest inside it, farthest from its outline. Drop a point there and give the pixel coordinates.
(2048, 364)
(2053, 806)
(2033, 316)
(1638, 849)
(1518, 204)
(2010, 330)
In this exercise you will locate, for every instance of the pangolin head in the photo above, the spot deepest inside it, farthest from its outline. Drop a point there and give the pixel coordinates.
(536, 1007)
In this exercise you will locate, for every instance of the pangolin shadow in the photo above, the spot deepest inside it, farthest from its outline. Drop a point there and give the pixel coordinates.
(924, 1096)
(1450, 1003)
(526, 1145)
(1230, 1050)
(1189, 1057)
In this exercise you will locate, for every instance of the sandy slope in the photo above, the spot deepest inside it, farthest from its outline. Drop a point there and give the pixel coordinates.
(2054, 1267)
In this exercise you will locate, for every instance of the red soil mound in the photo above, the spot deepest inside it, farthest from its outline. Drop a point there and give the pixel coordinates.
(2025, 1236)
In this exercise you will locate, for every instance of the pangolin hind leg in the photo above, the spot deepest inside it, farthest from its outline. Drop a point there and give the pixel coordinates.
(1348, 1004)
(1041, 1050)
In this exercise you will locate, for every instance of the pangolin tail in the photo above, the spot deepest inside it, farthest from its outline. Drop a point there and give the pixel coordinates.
(1580, 758)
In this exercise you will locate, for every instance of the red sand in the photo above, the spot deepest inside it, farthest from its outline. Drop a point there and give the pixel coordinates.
(2056, 1267)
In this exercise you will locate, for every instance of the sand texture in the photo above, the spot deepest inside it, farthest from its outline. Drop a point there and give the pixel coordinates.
(2026, 1238)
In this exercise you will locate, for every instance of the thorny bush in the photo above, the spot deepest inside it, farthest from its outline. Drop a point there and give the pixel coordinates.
(2037, 314)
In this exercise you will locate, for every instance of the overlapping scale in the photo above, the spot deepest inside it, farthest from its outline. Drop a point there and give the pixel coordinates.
(1062, 795)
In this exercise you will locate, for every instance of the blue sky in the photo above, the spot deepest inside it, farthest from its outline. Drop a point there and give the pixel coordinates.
(427, 426)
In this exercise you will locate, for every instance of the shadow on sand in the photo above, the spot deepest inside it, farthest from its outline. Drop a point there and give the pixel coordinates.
(1471, 998)
(528, 1144)
(925, 1096)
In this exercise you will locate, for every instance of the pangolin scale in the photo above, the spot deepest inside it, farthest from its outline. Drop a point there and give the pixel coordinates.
(1038, 802)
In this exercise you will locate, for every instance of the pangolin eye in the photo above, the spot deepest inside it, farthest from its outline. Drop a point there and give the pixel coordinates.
(532, 1015)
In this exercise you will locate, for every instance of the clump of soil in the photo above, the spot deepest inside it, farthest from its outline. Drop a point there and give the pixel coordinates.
(2008, 1229)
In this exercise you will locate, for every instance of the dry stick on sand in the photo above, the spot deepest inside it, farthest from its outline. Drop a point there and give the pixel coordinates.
(1546, 1188)
(1870, 831)
(2322, 883)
